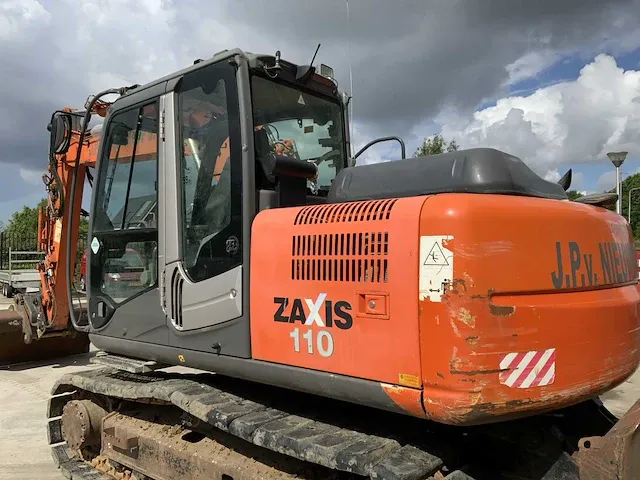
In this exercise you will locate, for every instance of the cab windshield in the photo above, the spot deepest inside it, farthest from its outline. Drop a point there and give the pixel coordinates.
(304, 125)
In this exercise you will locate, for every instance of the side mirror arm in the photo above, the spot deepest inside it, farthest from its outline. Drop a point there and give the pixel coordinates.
(383, 139)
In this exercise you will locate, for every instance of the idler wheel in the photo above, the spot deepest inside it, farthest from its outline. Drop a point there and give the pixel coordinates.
(82, 423)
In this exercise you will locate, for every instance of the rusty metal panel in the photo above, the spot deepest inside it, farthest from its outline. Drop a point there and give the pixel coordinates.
(13, 348)
(615, 456)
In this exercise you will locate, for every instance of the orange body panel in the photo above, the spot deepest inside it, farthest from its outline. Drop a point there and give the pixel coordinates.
(513, 331)
(364, 262)
(480, 318)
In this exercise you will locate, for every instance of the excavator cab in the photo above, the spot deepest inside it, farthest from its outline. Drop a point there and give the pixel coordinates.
(183, 167)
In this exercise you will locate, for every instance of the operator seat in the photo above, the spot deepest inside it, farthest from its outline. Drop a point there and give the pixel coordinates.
(217, 211)
(263, 149)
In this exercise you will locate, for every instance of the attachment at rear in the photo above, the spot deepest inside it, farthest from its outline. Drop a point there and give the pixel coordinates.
(615, 455)
(19, 344)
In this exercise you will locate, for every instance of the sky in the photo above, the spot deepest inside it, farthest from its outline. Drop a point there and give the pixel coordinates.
(554, 83)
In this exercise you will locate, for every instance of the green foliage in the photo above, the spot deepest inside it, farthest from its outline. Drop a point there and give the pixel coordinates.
(435, 145)
(574, 194)
(22, 232)
(24, 223)
(83, 229)
(630, 184)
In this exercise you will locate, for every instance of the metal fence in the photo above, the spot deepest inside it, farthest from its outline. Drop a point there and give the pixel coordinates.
(28, 243)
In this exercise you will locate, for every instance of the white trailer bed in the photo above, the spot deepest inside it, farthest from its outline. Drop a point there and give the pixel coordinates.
(20, 279)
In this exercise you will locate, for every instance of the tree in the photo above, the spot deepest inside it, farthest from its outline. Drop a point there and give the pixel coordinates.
(435, 145)
(629, 183)
(23, 227)
(23, 224)
(574, 194)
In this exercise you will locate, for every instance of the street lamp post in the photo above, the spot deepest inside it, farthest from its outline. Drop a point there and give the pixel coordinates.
(617, 158)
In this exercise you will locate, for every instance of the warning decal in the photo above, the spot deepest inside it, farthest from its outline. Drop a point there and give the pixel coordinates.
(301, 100)
(436, 266)
(535, 368)
(95, 245)
(436, 256)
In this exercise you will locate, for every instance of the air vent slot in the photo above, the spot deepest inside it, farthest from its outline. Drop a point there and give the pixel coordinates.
(341, 257)
(177, 283)
(345, 212)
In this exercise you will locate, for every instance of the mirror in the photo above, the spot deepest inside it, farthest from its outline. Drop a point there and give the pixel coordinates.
(121, 134)
(60, 128)
(383, 139)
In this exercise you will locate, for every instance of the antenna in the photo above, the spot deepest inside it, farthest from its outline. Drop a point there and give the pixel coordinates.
(304, 72)
(314, 56)
(352, 139)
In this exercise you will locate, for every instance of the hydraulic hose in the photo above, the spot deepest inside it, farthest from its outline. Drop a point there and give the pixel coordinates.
(71, 196)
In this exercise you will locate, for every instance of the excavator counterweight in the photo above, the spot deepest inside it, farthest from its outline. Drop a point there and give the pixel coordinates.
(452, 316)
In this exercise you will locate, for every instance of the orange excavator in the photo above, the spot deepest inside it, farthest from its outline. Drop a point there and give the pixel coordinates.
(452, 316)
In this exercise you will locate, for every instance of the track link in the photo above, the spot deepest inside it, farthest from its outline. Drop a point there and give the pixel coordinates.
(289, 433)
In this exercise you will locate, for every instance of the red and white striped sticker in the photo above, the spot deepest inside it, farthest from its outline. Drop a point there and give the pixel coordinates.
(536, 368)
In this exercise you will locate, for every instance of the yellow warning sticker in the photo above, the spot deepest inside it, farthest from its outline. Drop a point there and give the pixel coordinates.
(408, 380)
(181, 357)
(57, 233)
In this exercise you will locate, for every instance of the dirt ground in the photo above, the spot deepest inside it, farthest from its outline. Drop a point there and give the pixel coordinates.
(24, 389)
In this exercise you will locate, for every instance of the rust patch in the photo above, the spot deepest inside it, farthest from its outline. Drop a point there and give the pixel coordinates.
(457, 283)
(501, 310)
(409, 399)
(490, 292)
(477, 372)
(614, 455)
(463, 366)
(472, 339)
(466, 317)
(440, 375)
(454, 327)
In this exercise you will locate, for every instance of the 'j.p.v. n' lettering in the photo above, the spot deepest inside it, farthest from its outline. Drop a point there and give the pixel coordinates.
(612, 263)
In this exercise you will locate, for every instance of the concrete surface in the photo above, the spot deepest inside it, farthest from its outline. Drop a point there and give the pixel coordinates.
(24, 389)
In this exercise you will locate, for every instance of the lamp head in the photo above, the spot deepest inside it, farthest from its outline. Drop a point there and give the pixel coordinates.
(617, 158)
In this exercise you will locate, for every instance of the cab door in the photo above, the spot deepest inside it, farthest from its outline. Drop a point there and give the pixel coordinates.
(123, 248)
(203, 275)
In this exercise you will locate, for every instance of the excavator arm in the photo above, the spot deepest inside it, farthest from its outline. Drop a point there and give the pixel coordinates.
(45, 315)
(54, 220)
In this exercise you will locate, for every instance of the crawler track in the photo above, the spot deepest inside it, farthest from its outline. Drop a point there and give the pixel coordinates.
(358, 442)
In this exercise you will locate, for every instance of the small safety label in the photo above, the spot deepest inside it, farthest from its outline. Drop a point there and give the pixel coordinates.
(95, 245)
(436, 266)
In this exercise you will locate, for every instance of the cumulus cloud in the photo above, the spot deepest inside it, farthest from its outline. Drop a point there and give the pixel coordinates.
(33, 177)
(560, 125)
(408, 63)
(606, 181)
(380, 152)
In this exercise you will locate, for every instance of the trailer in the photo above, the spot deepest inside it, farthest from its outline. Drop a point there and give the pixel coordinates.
(18, 278)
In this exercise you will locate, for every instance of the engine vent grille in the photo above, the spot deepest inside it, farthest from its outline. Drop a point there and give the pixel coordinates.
(366, 257)
(177, 283)
(345, 212)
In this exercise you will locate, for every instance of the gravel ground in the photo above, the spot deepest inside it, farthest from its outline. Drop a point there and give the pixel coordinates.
(24, 389)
